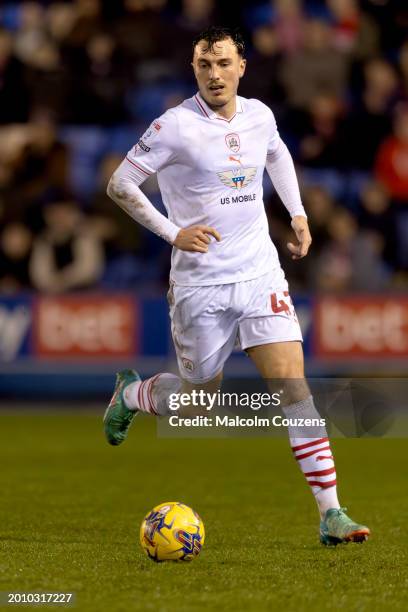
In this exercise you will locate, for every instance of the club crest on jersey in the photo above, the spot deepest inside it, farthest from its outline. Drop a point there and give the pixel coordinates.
(237, 178)
(188, 364)
(232, 141)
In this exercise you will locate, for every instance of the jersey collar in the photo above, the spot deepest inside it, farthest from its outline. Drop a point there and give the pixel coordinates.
(207, 112)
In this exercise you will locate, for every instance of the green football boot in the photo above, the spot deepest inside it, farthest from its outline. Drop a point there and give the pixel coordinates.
(337, 527)
(118, 418)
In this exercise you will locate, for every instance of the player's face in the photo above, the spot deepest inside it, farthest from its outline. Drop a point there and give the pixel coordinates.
(218, 72)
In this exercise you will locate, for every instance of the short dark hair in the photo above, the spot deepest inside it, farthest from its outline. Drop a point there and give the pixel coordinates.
(215, 34)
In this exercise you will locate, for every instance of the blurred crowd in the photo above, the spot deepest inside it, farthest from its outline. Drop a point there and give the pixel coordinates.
(81, 80)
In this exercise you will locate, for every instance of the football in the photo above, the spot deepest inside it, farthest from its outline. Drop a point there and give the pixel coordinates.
(172, 532)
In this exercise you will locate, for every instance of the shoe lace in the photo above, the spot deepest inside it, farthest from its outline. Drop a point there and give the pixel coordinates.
(340, 511)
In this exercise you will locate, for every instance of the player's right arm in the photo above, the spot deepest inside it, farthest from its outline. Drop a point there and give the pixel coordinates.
(123, 188)
(151, 153)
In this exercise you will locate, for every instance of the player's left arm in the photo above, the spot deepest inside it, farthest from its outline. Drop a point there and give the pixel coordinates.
(301, 229)
(280, 167)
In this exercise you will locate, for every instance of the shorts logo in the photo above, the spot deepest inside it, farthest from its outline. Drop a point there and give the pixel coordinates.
(143, 146)
(188, 365)
(237, 178)
(232, 142)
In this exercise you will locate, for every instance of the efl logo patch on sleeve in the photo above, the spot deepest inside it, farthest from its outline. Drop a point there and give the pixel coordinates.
(151, 133)
(143, 146)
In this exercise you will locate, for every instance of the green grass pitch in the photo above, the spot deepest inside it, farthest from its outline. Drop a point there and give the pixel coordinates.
(71, 509)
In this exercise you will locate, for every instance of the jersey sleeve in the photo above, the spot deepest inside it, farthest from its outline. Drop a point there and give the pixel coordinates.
(157, 146)
(274, 138)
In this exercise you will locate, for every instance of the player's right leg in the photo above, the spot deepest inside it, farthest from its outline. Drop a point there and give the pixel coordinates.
(132, 396)
(204, 334)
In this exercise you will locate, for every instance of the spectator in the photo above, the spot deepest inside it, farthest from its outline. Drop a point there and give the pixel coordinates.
(14, 107)
(135, 27)
(66, 256)
(316, 68)
(392, 171)
(15, 246)
(31, 34)
(289, 24)
(391, 166)
(344, 261)
(60, 18)
(87, 22)
(265, 59)
(403, 66)
(322, 145)
(370, 119)
(34, 166)
(48, 83)
(354, 31)
(99, 95)
(376, 216)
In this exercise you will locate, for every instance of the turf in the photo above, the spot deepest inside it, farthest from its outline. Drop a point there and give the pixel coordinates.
(72, 505)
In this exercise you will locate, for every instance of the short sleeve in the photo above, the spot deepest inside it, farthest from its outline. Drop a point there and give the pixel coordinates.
(156, 147)
(274, 138)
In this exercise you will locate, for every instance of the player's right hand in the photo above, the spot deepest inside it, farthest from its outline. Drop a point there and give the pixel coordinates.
(196, 238)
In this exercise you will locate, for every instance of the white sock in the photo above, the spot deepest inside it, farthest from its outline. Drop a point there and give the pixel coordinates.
(326, 499)
(314, 456)
(151, 395)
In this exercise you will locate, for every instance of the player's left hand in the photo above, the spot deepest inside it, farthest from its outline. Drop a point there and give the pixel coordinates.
(301, 229)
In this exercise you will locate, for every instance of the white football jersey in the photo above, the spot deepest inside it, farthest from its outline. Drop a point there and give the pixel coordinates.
(210, 172)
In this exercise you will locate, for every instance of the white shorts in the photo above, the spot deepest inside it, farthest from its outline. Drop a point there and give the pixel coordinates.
(208, 322)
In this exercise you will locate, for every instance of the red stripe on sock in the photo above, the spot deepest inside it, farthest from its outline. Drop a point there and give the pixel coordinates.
(302, 446)
(323, 485)
(310, 453)
(323, 457)
(149, 392)
(321, 472)
(143, 403)
(149, 398)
